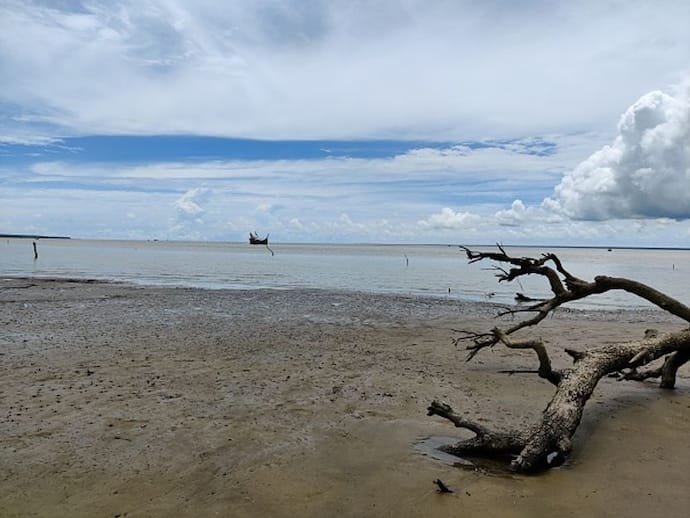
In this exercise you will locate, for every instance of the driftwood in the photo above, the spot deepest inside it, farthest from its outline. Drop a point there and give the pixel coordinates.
(442, 488)
(548, 442)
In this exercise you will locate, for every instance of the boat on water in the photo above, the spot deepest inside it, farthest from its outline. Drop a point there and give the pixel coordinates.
(254, 239)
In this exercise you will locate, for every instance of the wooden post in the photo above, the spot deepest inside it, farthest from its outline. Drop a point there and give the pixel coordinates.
(35, 251)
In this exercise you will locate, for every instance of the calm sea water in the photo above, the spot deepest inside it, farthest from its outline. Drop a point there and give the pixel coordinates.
(420, 270)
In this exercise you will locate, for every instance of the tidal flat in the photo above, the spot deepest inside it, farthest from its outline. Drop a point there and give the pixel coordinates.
(121, 400)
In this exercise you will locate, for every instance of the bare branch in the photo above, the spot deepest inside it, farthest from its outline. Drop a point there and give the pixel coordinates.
(666, 371)
(663, 301)
(545, 371)
(525, 266)
(478, 346)
(576, 289)
(485, 441)
(549, 442)
(637, 375)
(444, 410)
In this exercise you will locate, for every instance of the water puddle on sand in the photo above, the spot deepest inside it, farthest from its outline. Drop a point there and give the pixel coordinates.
(431, 447)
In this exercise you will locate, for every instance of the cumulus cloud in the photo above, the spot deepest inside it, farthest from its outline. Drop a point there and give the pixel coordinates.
(513, 216)
(448, 219)
(644, 173)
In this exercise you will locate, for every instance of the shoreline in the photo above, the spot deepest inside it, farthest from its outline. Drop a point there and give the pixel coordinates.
(160, 401)
(650, 312)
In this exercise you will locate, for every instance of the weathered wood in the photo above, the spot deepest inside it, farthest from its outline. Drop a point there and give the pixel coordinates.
(485, 441)
(549, 441)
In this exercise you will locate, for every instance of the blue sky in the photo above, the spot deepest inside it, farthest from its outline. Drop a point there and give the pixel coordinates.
(531, 122)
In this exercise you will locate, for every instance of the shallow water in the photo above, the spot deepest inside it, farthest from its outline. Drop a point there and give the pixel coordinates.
(418, 270)
(433, 447)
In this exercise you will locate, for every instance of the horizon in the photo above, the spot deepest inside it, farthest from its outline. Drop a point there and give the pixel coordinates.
(451, 122)
(343, 243)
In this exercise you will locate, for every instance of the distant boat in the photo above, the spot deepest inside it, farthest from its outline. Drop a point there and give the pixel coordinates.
(254, 239)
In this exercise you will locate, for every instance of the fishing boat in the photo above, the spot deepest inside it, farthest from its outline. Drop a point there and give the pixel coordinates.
(254, 239)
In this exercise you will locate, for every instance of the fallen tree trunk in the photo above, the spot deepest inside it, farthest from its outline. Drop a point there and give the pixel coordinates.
(548, 443)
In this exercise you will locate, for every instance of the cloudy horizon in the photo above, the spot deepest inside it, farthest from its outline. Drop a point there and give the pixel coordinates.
(314, 121)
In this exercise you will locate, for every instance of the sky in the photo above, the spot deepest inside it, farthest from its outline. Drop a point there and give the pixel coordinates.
(408, 121)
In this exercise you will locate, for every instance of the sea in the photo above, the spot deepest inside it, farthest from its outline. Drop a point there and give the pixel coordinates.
(439, 271)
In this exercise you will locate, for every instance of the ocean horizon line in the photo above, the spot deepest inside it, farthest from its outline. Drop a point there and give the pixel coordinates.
(345, 243)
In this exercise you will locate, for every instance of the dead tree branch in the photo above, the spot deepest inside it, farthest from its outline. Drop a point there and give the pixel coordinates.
(485, 441)
(551, 438)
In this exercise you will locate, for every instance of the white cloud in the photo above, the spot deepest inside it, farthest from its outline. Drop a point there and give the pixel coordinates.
(513, 216)
(333, 68)
(448, 219)
(455, 195)
(188, 206)
(27, 140)
(644, 173)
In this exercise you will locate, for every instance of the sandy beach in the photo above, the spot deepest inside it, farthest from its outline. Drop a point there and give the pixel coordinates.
(120, 400)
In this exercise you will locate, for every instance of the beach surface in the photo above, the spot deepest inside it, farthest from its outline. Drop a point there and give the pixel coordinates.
(121, 400)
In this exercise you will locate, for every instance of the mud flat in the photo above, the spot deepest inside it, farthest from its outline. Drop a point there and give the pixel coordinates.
(119, 400)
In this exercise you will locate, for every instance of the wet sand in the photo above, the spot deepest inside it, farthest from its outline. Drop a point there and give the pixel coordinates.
(119, 400)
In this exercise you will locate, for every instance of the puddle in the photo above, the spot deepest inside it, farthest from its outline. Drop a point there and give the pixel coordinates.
(430, 447)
